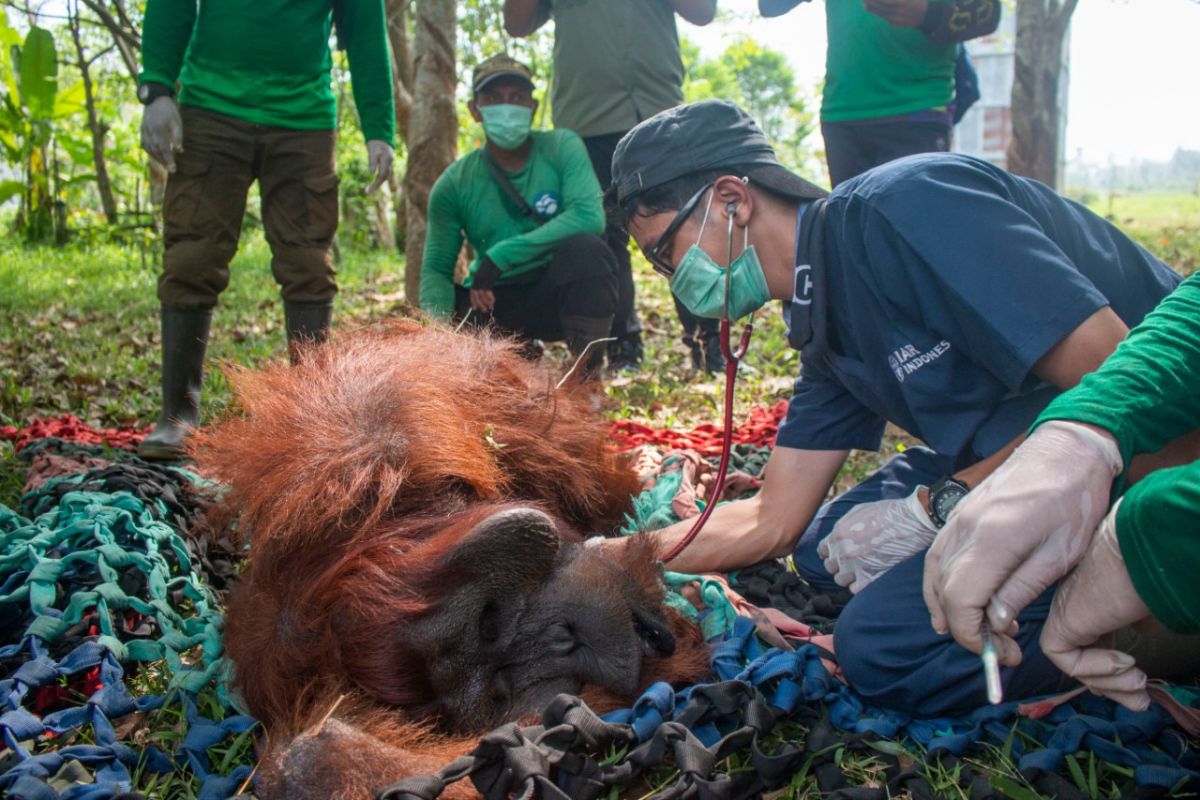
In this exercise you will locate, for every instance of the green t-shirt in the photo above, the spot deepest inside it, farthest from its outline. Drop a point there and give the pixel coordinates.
(616, 63)
(268, 61)
(1147, 394)
(466, 201)
(873, 69)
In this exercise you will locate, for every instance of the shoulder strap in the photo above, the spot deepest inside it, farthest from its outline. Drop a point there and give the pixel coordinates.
(509, 190)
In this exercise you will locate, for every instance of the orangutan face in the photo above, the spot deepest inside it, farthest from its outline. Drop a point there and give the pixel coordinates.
(531, 616)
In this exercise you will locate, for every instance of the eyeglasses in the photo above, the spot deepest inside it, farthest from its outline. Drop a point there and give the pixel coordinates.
(654, 254)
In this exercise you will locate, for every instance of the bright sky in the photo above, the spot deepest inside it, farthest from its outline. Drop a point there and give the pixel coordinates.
(1134, 67)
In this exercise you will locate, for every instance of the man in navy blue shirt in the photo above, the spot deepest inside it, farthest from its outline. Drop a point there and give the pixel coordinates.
(937, 292)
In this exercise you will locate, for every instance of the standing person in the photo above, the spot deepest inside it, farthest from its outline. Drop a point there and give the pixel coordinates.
(254, 102)
(937, 292)
(531, 208)
(890, 75)
(616, 63)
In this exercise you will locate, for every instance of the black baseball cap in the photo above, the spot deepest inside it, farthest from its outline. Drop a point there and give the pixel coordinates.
(701, 137)
(499, 66)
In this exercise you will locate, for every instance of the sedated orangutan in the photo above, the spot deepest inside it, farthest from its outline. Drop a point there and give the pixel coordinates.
(416, 503)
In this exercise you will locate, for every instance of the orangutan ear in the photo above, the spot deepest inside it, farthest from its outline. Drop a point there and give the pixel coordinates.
(517, 545)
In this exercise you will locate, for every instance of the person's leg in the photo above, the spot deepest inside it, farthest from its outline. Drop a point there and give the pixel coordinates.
(891, 656)
(299, 187)
(916, 466)
(573, 299)
(202, 216)
(846, 153)
(582, 277)
(626, 352)
(898, 139)
(885, 645)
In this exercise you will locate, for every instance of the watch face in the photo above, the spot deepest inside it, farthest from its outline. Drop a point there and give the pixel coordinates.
(945, 499)
(143, 92)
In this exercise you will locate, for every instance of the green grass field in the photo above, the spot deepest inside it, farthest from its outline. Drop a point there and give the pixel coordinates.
(79, 334)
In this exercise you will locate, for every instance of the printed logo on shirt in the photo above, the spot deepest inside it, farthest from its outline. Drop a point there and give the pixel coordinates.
(802, 292)
(906, 360)
(546, 204)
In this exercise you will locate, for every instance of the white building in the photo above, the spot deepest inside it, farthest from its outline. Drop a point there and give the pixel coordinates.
(986, 129)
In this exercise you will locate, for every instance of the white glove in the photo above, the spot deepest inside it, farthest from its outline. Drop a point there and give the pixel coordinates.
(162, 131)
(1097, 598)
(1021, 530)
(379, 159)
(874, 537)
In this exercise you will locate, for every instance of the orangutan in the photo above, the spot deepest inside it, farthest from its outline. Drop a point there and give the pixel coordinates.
(416, 503)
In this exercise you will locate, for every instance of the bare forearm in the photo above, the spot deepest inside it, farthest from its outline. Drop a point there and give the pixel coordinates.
(697, 12)
(734, 536)
(521, 17)
(765, 526)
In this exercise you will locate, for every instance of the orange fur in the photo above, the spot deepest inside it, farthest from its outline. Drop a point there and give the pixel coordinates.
(352, 474)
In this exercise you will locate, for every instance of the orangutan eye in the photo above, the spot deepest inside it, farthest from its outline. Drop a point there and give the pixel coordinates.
(489, 623)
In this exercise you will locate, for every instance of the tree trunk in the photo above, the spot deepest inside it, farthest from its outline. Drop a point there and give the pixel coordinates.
(1041, 33)
(402, 87)
(124, 35)
(98, 128)
(432, 126)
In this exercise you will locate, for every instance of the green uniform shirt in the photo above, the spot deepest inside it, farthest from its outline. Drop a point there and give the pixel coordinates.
(268, 61)
(466, 200)
(875, 70)
(616, 63)
(1147, 394)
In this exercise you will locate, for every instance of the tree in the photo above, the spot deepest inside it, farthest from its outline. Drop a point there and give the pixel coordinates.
(1041, 32)
(432, 127)
(98, 127)
(761, 81)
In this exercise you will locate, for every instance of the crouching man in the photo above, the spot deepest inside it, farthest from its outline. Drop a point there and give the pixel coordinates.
(530, 206)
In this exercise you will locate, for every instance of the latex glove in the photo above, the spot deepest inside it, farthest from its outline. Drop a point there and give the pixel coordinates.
(379, 158)
(1096, 599)
(874, 537)
(162, 131)
(1021, 530)
(900, 13)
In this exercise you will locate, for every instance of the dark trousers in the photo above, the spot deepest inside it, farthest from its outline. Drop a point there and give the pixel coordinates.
(885, 646)
(626, 322)
(580, 281)
(625, 319)
(206, 200)
(852, 148)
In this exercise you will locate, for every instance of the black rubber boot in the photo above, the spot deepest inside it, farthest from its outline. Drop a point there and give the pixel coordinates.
(306, 323)
(714, 359)
(184, 339)
(579, 332)
(625, 354)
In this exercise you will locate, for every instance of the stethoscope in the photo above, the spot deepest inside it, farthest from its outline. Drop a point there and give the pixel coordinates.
(733, 357)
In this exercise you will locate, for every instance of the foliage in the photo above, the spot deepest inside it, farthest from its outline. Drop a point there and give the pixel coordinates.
(761, 81)
(30, 108)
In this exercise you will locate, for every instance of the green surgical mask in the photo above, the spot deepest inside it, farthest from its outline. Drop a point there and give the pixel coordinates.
(699, 282)
(506, 125)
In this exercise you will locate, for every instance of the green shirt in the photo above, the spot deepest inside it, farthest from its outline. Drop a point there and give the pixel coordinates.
(467, 201)
(873, 69)
(268, 61)
(1148, 394)
(616, 63)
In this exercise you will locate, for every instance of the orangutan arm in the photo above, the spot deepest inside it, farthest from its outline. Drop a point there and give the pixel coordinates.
(765, 526)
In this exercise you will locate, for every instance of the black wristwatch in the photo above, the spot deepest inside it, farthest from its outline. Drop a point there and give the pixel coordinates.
(943, 497)
(150, 91)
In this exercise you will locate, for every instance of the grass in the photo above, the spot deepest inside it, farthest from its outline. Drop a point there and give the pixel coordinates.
(79, 334)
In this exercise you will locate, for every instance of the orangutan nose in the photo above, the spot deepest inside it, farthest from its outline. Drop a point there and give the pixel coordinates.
(654, 633)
